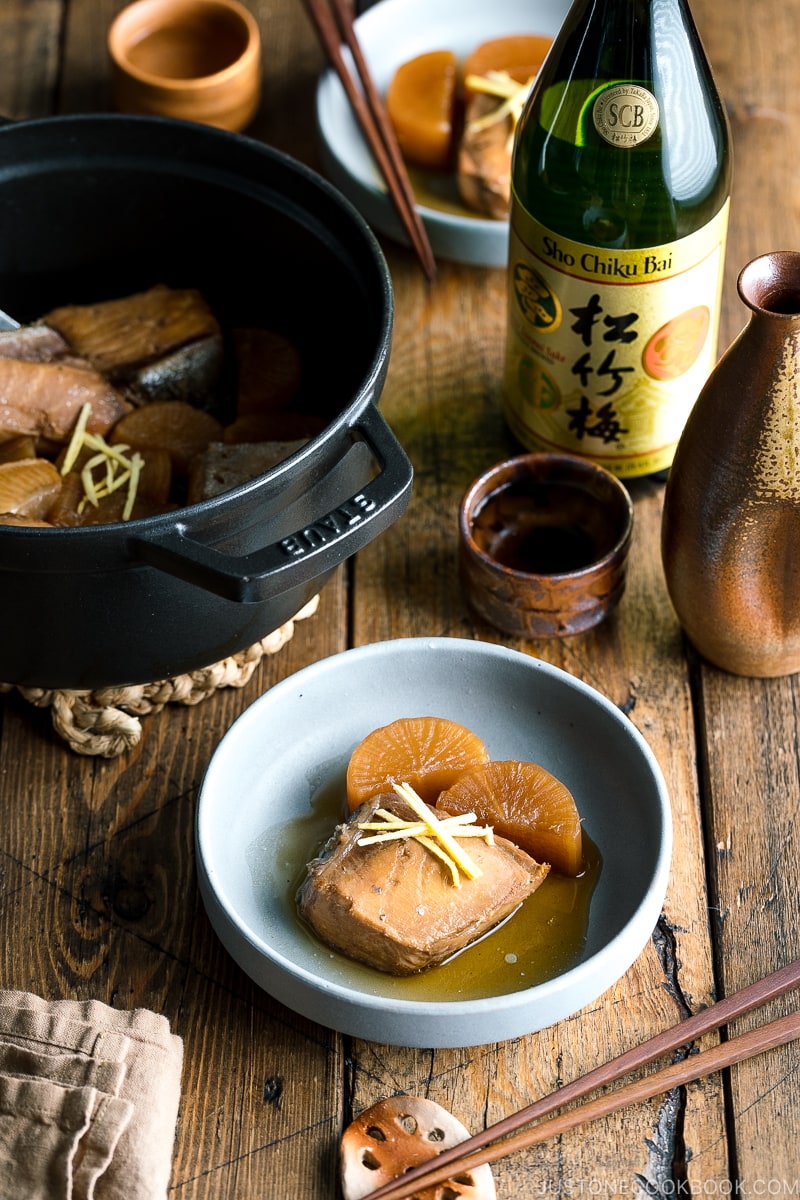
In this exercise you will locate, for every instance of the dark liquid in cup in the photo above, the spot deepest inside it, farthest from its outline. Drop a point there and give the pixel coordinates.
(545, 549)
(541, 529)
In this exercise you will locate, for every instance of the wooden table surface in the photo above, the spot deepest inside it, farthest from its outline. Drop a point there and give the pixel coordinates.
(98, 892)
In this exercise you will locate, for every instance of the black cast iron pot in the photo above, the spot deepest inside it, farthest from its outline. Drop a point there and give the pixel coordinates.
(102, 206)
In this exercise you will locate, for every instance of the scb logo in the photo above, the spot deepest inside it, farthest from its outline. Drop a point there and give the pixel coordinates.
(629, 116)
(625, 114)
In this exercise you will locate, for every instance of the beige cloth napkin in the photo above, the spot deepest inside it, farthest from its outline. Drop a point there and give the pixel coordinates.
(89, 1100)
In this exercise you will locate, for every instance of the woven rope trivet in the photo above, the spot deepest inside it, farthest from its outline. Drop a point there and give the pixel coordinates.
(105, 723)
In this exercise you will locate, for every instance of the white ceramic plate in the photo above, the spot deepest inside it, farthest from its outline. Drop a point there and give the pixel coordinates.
(258, 821)
(391, 33)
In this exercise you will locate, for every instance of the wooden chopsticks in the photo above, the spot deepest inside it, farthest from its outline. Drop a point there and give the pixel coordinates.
(485, 1147)
(370, 112)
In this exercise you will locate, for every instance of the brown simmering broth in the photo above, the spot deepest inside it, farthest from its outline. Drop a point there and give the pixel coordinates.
(439, 190)
(541, 940)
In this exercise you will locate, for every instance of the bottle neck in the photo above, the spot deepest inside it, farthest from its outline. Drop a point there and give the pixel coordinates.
(624, 141)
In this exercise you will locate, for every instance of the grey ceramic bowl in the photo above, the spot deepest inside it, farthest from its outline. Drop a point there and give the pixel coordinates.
(391, 33)
(264, 799)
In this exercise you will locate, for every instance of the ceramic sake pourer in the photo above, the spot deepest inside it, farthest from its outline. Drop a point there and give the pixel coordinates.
(731, 521)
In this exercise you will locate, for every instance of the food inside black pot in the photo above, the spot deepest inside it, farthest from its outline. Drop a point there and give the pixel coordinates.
(129, 407)
(98, 208)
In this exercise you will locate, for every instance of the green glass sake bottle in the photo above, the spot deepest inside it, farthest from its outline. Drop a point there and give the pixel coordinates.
(620, 192)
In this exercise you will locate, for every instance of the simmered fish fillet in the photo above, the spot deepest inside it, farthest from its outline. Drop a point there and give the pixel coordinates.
(44, 399)
(114, 334)
(33, 343)
(484, 160)
(394, 906)
(164, 343)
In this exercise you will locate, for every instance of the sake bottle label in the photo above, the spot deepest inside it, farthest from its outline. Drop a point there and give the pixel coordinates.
(625, 114)
(607, 348)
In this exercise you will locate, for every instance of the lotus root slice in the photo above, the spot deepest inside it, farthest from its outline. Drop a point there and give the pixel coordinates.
(388, 1139)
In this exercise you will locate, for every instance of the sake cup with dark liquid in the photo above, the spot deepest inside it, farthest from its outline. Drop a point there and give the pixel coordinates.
(543, 544)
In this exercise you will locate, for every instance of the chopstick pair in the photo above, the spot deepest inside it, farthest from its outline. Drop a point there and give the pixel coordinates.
(371, 114)
(485, 1147)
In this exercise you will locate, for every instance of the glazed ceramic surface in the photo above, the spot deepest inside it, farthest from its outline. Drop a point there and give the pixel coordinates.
(292, 746)
(543, 544)
(731, 523)
(391, 33)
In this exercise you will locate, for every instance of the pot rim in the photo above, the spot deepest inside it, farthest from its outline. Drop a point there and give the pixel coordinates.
(68, 127)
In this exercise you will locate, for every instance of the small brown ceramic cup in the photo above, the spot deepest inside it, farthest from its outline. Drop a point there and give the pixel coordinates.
(543, 544)
(197, 60)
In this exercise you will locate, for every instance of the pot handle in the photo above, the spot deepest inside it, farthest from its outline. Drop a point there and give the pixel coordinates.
(309, 552)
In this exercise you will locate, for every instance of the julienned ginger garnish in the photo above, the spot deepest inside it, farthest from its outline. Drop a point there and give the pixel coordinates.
(438, 835)
(511, 94)
(118, 469)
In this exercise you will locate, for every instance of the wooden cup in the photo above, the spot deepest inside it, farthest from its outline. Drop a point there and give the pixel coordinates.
(197, 60)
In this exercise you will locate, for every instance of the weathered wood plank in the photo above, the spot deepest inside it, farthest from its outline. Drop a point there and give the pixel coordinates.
(98, 864)
(97, 878)
(29, 57)
(748, 728)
